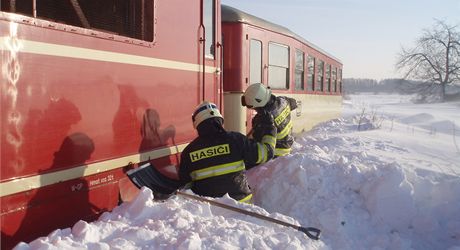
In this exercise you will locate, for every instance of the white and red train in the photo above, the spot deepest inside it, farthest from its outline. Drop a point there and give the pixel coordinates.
(259, 51)
(92, 88)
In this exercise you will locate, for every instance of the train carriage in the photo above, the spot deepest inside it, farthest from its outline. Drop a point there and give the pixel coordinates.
(91, 89)
(275, 56)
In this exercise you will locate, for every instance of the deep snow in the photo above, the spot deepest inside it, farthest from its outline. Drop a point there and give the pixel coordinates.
(384, 176)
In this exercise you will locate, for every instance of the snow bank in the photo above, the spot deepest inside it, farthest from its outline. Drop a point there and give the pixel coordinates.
(383, 186)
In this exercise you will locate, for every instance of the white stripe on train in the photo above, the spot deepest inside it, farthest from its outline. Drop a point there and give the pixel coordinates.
(39, 181)
(50, 49)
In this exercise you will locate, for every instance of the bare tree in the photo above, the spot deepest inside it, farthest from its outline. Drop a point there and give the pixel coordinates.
(436, 58)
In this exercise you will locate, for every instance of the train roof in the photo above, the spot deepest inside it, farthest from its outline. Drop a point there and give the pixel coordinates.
(233, 15)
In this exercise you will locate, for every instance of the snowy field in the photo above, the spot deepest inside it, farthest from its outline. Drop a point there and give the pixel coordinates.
(384, 176)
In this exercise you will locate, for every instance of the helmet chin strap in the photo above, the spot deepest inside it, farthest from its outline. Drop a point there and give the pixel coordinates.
(260, 109)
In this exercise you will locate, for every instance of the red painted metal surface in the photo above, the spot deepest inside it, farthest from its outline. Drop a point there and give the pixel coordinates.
(235, 64)
(70, 108)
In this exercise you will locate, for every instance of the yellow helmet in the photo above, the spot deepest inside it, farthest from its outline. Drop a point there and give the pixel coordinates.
(256, 95)
(205, 111)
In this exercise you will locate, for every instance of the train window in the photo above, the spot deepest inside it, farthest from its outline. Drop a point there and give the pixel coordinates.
(131, 18)
(278, 66)
(320, 76)
(299, 69)
(255, 61)
(339, 79)
(334, 79)
(209, 20)
(328, 78)
(311, 73)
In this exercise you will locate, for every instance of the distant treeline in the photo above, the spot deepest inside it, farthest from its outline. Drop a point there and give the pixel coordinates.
(389, 86)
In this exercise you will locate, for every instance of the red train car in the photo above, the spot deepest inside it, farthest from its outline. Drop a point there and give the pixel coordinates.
(90, 88)
(290, 65)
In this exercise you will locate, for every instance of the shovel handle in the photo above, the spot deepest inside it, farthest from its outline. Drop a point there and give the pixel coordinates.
(311, 232)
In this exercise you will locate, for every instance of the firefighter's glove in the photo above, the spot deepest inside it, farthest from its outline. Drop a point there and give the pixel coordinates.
(263, 124)
(262, 118)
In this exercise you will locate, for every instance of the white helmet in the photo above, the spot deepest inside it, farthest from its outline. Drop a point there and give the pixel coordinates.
(256, 95)
(205, 111)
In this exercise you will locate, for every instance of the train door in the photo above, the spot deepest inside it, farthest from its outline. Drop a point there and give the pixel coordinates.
(212, 53)
(256, 66)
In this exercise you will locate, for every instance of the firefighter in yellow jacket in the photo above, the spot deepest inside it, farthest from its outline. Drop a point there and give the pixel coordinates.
(260, 98)
(215, 161)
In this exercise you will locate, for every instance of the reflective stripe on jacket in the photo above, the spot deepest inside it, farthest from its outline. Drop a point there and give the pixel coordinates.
(281, 111)
(215, 164)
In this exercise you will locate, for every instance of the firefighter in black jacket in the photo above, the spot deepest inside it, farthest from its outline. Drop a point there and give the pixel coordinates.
(215, 161)
(260, 98)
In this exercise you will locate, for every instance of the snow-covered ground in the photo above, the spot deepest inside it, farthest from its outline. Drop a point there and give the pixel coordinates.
(384, 176)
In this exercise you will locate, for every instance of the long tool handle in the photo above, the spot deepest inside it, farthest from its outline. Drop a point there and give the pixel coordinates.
(311, 232)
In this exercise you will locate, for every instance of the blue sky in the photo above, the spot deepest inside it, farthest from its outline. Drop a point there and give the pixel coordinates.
(366, 35)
